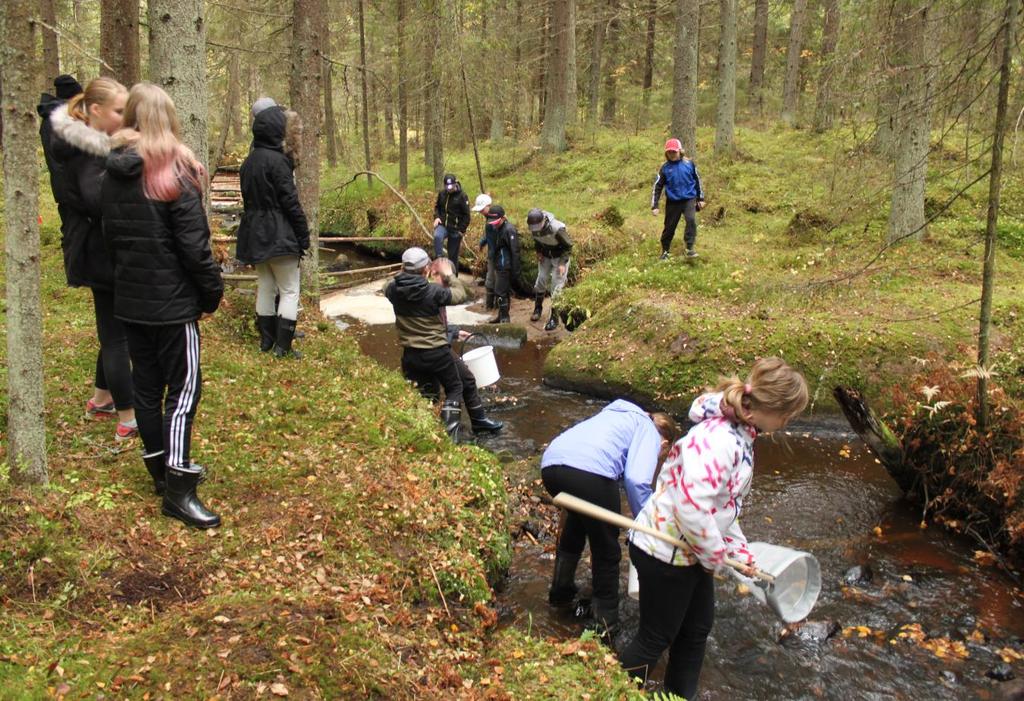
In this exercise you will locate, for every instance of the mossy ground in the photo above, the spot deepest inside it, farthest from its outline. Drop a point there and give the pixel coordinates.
(789, 262)
(342, 501)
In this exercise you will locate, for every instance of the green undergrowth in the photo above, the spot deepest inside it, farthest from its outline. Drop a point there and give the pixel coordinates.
(792, 260)
(355, 559)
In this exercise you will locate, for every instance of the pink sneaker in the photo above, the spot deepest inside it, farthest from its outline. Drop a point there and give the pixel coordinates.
(125, 432)
(99, 411)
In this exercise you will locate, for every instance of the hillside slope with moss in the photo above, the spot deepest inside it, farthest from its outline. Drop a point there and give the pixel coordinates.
(347, 513)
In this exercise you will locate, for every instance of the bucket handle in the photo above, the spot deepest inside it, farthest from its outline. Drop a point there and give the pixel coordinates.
(462, 349)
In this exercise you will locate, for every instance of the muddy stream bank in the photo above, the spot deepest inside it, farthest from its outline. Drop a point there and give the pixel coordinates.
(906, 612)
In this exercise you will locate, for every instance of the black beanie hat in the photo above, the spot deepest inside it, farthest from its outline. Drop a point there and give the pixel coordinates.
(67, 87)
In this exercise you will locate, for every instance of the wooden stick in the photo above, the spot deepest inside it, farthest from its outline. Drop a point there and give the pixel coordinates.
(568, 501)
(328, 239)
(443, 601)
(342, 273)
(233, 277)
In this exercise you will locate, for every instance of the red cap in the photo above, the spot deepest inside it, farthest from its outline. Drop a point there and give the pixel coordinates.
(674, 145)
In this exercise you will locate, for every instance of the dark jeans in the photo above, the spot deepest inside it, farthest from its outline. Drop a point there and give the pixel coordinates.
(429, 366)
(677, 610)
(168, 386)
(470, 396)
(674, 209)
(454, 237)
(605, 552)
(503, 283)
(113, 364)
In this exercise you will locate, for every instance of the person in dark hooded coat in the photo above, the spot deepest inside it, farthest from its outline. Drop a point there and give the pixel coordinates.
(274, 233)
(65, 87)
(451, 218)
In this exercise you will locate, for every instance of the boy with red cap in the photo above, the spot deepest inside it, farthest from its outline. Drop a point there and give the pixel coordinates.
(683, 197)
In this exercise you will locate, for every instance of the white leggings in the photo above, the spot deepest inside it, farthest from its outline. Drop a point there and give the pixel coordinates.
(278, 276)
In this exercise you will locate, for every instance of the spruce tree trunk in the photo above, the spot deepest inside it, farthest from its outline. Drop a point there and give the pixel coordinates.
(572, 89)
(119, 38)
(433, 94)
(726, 113)
(684, 82)
(596, 56)
(403, 100)
(760, 51)
(610, 104)
(330, 128)
(308, 22)
(791, 87)
(912, 58)
(19, 74)
(177, 63)
(552, 136)
(51, 45)
(230, 110)
(823, 110)
(1008, 45)
(649, 36)
(366, 100)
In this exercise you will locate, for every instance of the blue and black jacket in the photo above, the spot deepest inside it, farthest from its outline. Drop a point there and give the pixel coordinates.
(679, 180)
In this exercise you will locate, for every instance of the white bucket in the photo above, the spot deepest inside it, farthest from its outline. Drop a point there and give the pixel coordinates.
(482, 364)
(797, 580)
(633, 587)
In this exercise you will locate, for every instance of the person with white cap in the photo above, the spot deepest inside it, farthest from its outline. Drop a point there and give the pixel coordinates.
(482, 205)
(451, 218)
(260, 105)
(553, 248)
(422, 331)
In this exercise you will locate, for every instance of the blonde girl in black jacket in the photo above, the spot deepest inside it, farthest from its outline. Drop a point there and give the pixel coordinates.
(79, 143)
(165, 279)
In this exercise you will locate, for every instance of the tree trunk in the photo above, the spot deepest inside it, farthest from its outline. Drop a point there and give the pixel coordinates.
(878, 437)
(366, 99)
(829, 40)
(403, 100)
(230, 109)
(726, 114)
(177, 63)
(119, 36)
(308, 21)
(51, 46)
(19, 73)
(757, 58)
(552, 136)
(1008, 44)
(517, 81)
(80, 18)
(433, 94)
(791, 87)
(652, 19)
(684, 82)
(596, 56)
(913, 119)
(572, 89)
(330, 129)
(611, 80)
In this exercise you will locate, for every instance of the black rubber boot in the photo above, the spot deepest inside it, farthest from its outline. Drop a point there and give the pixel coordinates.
(451, 415)
(481, 424)
(606, 619)
(285, 335)
(267, 326)
(157, 470)
(182, 502)
(489, 304)
(538, 307)
(552, 322)
(563, 584)
(503, 316)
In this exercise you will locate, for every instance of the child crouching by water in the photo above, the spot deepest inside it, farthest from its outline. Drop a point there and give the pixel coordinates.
(697, 498)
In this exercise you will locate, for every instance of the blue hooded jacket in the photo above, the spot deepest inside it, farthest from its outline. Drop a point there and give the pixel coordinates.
(679, 180)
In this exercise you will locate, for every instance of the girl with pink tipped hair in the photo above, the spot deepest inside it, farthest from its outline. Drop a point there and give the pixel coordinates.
(165, 280)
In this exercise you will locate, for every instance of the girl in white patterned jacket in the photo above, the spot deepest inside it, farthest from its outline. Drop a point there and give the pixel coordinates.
(697, 498)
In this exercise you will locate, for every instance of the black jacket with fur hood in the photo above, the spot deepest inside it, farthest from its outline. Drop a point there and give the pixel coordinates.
(81, 153)
(273, 223)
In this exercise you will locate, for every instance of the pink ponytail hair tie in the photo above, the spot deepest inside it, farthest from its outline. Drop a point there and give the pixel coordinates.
(747, 389)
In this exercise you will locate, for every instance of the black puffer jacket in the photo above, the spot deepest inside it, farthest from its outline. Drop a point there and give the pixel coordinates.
(273, 223)
(452, 208)
(80, 153)
(47, 104)
(163, 269)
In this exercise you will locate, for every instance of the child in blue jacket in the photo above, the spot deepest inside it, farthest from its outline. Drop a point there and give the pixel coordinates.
(683, 197)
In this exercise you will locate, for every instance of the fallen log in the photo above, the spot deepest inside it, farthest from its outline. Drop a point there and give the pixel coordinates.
(878, 437)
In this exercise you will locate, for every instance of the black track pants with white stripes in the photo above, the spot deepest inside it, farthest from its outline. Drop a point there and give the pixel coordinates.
(168, 385)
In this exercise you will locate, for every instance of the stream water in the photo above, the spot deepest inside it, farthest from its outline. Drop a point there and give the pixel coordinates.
(817, 489)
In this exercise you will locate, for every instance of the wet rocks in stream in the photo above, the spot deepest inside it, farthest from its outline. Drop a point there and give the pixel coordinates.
(806, 633)
(858, 575)
(340, 263)
(1001, 672)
